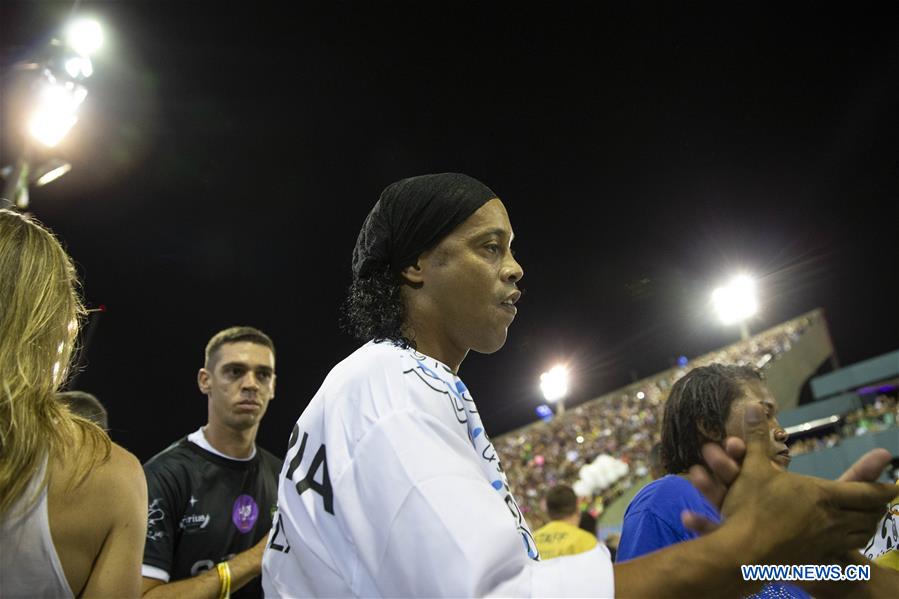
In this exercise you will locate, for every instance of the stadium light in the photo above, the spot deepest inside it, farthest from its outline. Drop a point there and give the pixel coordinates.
(84, 36)
(56, 82)
(554, 385)
(56, 111)
(79, 66)
(50, 171)
(736, 302)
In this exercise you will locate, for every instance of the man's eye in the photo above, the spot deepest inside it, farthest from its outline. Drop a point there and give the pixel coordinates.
(493, 248)
(264, 376)
(235, 372)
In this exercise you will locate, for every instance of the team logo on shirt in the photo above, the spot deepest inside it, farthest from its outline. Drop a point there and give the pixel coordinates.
(244, 513)
(155, 515)
(194, 522)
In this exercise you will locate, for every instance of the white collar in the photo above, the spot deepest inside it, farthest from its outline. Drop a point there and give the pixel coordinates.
(198, 437)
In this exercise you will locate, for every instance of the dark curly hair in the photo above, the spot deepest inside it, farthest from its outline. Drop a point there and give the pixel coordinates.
(697, 410)
(374, 308)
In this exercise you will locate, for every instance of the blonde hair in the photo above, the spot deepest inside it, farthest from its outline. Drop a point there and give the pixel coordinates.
(39, 316)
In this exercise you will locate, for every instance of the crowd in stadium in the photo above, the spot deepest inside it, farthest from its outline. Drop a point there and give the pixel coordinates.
(881, 414)
(545, 454)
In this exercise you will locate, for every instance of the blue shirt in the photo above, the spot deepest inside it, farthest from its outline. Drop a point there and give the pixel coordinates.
(652, 521)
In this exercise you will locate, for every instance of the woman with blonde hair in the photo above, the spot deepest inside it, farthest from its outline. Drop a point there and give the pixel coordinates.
(72, 503)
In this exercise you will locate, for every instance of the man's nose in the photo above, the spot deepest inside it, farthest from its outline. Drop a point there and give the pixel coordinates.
(250, 381)
(780, 435)
(512, 271)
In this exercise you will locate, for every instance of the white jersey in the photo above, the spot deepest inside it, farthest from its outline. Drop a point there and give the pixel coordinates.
(391, 488)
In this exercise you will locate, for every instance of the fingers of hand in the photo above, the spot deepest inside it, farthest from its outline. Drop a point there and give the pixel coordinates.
(713, 489)
(868, 468)
(720, 463)
(858, 539)
(757, 436)
(698, 523)
(735, 447)
(859, 495)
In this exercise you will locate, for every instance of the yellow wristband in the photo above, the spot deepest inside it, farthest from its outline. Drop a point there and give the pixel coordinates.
(224, 571)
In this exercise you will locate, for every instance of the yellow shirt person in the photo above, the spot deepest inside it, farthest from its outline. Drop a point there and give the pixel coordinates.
(562, 536)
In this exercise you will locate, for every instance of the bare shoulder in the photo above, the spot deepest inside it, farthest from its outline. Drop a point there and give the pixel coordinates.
(118, 487)
(122, 470)
(113, 494)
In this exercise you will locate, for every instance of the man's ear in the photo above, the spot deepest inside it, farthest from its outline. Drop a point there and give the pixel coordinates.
(203, 381)
(413, 274)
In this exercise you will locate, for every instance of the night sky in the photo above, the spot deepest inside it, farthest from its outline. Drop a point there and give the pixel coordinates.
(229, 152)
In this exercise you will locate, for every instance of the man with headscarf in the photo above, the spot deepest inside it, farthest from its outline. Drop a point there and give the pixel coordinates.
(391, 486)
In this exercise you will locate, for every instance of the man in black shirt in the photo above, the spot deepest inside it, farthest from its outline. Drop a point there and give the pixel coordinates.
(213, 492)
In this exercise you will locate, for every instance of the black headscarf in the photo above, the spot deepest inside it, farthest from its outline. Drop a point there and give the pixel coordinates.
(412, 216)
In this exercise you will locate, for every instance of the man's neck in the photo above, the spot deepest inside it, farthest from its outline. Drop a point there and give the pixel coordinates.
(436, 346)
(237, 444)
(453, 359)
(574, 519)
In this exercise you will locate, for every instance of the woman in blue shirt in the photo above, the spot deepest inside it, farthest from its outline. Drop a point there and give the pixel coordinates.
(707, 404)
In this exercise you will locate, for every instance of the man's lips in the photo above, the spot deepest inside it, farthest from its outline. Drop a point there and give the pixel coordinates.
(509, 302)
(509, 308)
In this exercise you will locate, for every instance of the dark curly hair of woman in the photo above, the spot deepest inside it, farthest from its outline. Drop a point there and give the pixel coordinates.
(374, 309)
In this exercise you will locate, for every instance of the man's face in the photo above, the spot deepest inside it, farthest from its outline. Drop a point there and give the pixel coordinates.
(239, 384)
(755, 392)
(469, 281)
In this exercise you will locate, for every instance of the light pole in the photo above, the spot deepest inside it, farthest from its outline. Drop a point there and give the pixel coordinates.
(554, 385)
(56, 83)
(736, 302)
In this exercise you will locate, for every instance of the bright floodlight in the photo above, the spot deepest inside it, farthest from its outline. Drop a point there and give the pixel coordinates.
(84, 36)
(554, 384)
(78, 66)
(57, 112)
(735, 301)
(53, 170)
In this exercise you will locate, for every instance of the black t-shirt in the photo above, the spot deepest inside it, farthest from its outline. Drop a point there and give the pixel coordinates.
(205, 509)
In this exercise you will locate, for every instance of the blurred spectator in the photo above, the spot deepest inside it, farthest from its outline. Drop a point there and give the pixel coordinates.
(876, 416)
(807, 445)
(562, 536)
(587, 522)
(85, 405)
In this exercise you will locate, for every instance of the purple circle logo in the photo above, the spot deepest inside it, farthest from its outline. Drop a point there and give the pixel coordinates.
(244, 513)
